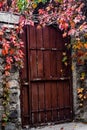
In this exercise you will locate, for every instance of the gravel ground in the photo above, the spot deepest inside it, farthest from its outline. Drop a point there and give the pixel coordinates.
(64, 126)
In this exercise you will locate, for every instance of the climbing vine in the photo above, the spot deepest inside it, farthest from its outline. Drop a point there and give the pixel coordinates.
(12, 54)
(67, 15)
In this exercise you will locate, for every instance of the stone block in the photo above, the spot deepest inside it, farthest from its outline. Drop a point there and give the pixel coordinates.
(13, 83)
(1, 79)
(14, 97)
(1, 60)
(1, 112)
(10, 126)
(13, 114)
(0, 73)
(15, 75)
(1, 108)
(1, 68)
(1, 92)
(13, 107)
(13, 69)
(14, 91)
(0, 101)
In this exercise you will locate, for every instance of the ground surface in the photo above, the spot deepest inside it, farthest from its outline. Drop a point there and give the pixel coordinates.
(64, 126)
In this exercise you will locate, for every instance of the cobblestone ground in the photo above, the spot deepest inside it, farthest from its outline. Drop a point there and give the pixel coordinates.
(65, 126)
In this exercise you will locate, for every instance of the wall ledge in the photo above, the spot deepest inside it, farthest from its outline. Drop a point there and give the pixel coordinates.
(10, 18)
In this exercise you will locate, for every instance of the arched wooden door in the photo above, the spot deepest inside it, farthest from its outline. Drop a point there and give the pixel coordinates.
(46, 88)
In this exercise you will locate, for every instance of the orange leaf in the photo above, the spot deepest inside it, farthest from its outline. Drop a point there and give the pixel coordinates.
(1, 33)
(4, 52)
(11, 51)
(8, 67)
(7, 73)
(85, 45)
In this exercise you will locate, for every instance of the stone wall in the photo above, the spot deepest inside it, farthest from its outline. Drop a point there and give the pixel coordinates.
(14, 104)
(13, 81)
(74, 81)
(79, 111)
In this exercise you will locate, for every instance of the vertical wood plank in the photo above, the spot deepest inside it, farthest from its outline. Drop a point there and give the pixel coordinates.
(40, 64)
(48, 100)
(52, 38)
(34, 97)
(32, 37)
(46, 37)
(59, 64)
(33, 64)
(60, 94)
(54, 100)
(41, 101)
(59, 40)
(54, 95)
(46, 64)
(39, 37)
(53, 64)
(66, 93)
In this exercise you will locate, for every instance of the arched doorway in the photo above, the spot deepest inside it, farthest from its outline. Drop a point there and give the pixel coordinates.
(46, 87)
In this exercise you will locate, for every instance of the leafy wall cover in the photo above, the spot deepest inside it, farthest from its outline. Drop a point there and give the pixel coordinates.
(67, 15)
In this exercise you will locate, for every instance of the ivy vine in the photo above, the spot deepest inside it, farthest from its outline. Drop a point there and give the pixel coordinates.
(66, 14)
(12, 54)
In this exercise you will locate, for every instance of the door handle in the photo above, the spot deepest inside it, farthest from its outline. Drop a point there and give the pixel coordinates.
(64, 78)
(26, 83)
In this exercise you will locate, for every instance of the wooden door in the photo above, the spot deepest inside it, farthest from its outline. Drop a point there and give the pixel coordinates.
(46, 89)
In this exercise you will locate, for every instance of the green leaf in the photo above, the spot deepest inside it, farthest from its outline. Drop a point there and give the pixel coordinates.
(64, 59)
(5, 119)
(60, 1)
(22, 4)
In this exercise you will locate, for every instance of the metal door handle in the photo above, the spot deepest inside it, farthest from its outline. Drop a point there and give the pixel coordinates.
(62, 78)
(26, 83)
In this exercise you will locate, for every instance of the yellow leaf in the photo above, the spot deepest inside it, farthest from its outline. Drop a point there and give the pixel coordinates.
(80, 96)
(80, 104)
(34, 5)
(64, 53)
(84, 97)
(85, 45)
(80, 90)
(73, 67)
(39, 1)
